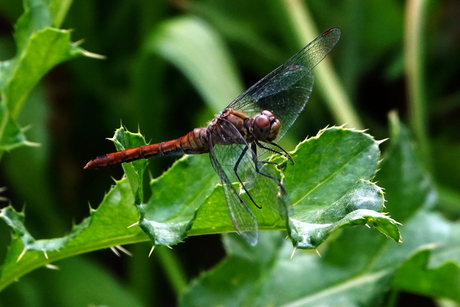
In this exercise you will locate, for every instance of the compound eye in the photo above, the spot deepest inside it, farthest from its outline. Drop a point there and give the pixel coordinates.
(265, 126)
(262, 122)
(267, 113)
(261, 126)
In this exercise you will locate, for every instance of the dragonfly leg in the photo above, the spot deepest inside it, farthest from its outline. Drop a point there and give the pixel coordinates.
(235, 169)
(282, 151)
(257, 161)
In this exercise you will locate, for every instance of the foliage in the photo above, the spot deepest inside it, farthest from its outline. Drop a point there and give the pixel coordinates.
(158, 67)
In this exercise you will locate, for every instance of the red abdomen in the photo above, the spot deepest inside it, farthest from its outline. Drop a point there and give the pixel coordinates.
(194, 142)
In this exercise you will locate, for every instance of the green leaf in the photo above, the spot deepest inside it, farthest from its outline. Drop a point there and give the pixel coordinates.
(11, 135)
(235, 281)
(36, 17)
(191, 45)
(16, 221)
(334, 193)
(134, 171)
(43, 50)
(431, 241)
(413, 185)
(176, 195)
(213, 216)
(330, 188)
(58, 10)
(39, 48)
(329, 165)
(265, 275)
(433, 271)
(357, 266)
(186, 201)
(170, 213)
(106, 227)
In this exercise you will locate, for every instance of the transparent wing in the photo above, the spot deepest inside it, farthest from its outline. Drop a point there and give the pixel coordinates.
(242, 217)
(267, 188)
(286, 90)
(259, 182)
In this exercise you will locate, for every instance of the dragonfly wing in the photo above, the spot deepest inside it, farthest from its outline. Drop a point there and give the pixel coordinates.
(259, 181)
(267, 189)
(286, 90)
(242, 217)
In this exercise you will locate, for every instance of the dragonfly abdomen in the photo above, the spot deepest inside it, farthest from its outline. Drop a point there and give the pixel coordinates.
(194, 142)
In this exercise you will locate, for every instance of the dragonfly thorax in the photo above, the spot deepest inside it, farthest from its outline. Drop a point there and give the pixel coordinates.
(265, 126)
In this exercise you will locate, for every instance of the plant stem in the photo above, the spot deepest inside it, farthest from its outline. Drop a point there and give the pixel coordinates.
(172, 268)
(416, 11)
(329, 84)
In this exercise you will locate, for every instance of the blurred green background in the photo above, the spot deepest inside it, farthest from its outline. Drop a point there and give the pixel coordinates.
(156, 79)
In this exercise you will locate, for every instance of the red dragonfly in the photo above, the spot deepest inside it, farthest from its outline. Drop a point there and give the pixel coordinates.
(240, 138)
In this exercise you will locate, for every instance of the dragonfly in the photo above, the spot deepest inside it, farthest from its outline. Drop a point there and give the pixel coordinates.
(241, 137)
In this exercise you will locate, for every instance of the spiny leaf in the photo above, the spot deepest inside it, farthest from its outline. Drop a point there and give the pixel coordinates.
(333, 167)
(330, 188)
(134, 171)
(193, 46)
(186, 201)
(357, 266)
(176, 195)
(11, 135)
(107, 226)
(39, 48)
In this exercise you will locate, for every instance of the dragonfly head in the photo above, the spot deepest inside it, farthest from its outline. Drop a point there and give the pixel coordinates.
(266, 126)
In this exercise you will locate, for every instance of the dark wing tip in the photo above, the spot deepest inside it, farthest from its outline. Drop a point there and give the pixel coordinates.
(330, 30)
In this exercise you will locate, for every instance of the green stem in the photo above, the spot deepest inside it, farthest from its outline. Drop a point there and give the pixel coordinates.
(141, 269)
(329, 83)
(172, 268)
(416, 11)
(59, 10)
